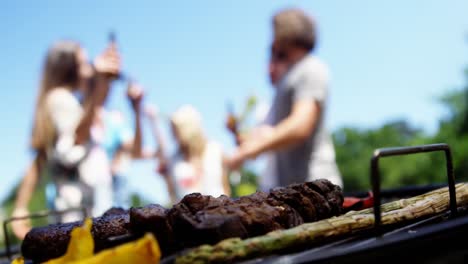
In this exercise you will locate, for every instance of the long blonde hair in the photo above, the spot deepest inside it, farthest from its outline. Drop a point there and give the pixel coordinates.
(61, 69)
(187, 121)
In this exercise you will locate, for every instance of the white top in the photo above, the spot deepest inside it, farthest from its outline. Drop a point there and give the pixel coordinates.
(66, 113)
(93, 163)
(209, 181)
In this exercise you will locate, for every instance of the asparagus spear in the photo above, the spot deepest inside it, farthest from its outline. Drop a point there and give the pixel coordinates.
(394, 212)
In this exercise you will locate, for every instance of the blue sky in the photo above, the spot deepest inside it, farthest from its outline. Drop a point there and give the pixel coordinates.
(389, 60)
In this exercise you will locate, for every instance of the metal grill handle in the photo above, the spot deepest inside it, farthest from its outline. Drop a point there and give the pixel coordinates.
(398, 151)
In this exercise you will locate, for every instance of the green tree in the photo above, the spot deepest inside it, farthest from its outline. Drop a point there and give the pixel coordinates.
(354, 148)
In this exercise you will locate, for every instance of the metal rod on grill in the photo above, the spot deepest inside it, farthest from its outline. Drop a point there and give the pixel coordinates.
(397, 151)
(40, 214)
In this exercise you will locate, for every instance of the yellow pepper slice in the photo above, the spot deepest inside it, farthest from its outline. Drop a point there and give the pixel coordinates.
(81, 245)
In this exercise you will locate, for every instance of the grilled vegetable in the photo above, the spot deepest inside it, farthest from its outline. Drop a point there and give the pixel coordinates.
(80, 250)
(81, 245)
(144, 250)
(19, 260)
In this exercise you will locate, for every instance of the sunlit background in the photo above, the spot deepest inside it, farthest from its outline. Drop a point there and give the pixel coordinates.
(390, 61)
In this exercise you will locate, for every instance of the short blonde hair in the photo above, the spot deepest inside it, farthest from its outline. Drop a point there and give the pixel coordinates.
(294, 26)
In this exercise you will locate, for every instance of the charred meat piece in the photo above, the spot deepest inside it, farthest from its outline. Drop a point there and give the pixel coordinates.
(332, 193)
(109, 226)
(257, 197)
(200, 219)
(297, 201)
(208, 227)
(44, 243)
(260, 218)
(196, 201)
(152, 218)
(322, 207)
(189, 231)
(217, 223)
(181, 220)
(289, 217)
(255, 218)
(115, 211)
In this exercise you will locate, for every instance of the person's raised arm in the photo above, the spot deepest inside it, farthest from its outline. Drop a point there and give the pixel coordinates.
(107, 67)
(309, 91)
(225, 178)
(135, 95)
(160, 154)
(294, 129)
(152, 113)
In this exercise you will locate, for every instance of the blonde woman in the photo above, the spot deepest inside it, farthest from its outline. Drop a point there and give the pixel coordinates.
(197, 164)
(61, 138)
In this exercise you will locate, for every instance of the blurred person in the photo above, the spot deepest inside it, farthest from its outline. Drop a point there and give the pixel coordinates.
(153, 115)
(121, 145)
(295, 130)
(197, 164)
(113, 134)
(61, 135)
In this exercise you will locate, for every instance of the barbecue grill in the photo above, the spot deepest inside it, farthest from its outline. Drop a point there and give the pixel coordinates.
(437, 239)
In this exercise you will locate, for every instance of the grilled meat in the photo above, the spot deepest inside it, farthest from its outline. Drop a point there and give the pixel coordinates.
(198, 219)
(152, 218)
(44, 243)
